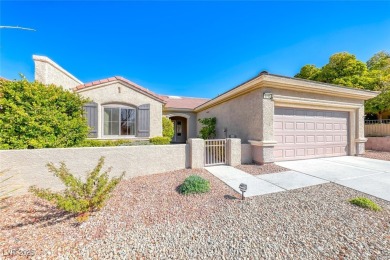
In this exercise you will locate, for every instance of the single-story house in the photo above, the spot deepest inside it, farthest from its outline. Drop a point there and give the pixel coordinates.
(282, 118)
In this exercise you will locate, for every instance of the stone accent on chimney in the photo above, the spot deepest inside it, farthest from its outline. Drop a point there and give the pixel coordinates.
(49, 72)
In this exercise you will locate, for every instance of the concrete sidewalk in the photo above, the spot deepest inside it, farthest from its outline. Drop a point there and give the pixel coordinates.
(265, 183)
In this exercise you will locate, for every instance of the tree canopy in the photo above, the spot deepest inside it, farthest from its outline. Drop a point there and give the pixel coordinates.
(346, 70)
(33, 115)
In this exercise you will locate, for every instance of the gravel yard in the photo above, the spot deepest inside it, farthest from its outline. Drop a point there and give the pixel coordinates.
(147, 218)
(256, 169)
(377, 155)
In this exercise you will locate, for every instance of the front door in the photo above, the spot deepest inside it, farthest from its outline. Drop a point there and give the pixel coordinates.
(179, 136)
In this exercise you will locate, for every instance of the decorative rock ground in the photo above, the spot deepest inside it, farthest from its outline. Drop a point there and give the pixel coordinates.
(147, 218)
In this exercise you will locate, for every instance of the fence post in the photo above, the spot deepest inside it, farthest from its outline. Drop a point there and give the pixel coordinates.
(233, 150)
(197, 152)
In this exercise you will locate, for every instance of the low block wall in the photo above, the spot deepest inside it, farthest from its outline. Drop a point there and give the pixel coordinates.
(246, 153)
(29, 166)
(378, 143)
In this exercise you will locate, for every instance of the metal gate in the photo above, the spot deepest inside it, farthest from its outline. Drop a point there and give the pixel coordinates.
(215, 152)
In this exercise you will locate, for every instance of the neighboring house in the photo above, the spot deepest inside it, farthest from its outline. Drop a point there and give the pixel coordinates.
(282, 118)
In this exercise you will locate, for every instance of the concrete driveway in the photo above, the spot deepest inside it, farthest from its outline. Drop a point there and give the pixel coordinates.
(366, 175)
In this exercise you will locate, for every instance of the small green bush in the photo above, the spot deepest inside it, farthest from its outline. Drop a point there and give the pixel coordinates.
(103, 143)
(80, 197)
(160, 140)
(208, 127)
(194, 184)
(167, 128)
(136, 143)
(365, 203)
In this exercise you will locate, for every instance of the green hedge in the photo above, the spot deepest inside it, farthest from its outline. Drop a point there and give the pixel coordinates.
(104, 143)
(158, 140)
(33, 115)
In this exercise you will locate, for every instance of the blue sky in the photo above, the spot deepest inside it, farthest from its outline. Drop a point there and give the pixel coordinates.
(198, 49)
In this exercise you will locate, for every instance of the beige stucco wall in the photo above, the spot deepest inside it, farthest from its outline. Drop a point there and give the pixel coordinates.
(250, 117)
(29, 166)
(246, 154)
(49, 72)
(233, 147)
(191, 120)
(241, 116)
(119, 93)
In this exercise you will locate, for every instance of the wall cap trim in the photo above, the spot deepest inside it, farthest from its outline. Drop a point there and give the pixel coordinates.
(361, 140)
(270, 143)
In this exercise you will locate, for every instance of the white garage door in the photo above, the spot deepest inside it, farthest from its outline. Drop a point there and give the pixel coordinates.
(307, 133)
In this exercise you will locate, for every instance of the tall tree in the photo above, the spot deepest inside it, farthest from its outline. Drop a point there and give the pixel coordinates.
(346, 70)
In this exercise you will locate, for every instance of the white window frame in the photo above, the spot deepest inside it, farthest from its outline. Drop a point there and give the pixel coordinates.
(120, 107)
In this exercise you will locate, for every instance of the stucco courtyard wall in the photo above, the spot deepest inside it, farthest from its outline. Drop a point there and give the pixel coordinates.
(119, 93)
(241, 117)
(378, 143)
(246, 153)
(29, 166)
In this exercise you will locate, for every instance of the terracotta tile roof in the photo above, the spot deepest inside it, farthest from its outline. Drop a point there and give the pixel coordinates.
(118, 78)
(183, 102)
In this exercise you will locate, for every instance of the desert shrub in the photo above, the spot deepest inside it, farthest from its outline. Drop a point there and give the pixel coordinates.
(4, 188)
(34, 115)
(208, 127)
(160, 140)
(365, 203)
(167, 128)
(103, 143)
(194, 184)
(80, 197)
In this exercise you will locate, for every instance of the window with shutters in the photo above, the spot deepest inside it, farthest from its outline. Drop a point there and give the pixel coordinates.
(119, 120)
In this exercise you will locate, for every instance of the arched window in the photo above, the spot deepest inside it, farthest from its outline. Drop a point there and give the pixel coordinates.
(119, 120)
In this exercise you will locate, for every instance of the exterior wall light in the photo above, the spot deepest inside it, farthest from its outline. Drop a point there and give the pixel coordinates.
(267, 96)
(243, 187)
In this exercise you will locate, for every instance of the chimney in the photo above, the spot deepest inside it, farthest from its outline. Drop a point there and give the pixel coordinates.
(49, 72)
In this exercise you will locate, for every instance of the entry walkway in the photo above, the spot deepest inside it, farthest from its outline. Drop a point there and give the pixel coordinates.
(265, 183)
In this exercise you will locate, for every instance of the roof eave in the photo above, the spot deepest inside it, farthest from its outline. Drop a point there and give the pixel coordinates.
(273, 81)
(135, 88)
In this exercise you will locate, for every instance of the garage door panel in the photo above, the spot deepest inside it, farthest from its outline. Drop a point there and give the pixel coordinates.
(300, 126)
(278, 125)
(304, 133)
(289, 126)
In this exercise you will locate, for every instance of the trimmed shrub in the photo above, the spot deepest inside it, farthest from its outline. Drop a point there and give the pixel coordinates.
(160, 140)
(365, 203)
(103, 143)
(80, 197)
(167, 128)
(34, 115)
(208, 127)
(194, 184)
